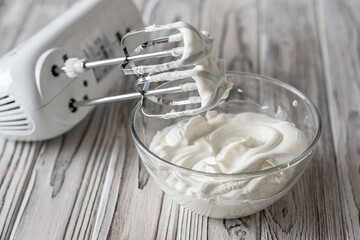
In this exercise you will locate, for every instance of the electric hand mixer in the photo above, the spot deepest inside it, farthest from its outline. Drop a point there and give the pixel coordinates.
(39, 101)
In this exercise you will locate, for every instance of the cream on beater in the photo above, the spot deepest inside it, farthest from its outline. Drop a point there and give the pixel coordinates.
(197, 53)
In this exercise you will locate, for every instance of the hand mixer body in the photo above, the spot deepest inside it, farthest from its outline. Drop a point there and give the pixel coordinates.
(34, 97)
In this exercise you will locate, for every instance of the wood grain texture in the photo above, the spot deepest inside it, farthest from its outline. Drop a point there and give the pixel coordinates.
(290, 52)
(18, 21)
(90, 183)
(16, 166)
(339, 24)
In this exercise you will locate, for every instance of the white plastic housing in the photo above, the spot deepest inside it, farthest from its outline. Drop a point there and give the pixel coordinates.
(33, 97)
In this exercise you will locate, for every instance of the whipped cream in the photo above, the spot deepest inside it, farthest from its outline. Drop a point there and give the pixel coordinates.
(197, 53)
(228, 143)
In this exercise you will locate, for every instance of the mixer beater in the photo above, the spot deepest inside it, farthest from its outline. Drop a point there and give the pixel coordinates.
(186, 71)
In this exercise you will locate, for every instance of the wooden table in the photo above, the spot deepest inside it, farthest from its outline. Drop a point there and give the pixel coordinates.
(89, 182)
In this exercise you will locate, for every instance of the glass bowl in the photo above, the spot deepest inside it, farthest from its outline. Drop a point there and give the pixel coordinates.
(256, 190)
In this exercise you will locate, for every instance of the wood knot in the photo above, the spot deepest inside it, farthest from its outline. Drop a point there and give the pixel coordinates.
(285, 212)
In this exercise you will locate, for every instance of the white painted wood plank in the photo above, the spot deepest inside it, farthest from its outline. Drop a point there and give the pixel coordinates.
(290, 51)
(339, 24)
(17, 164)
(17, 159)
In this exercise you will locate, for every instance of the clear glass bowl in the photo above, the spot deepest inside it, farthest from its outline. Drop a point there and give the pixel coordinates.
(250, 93)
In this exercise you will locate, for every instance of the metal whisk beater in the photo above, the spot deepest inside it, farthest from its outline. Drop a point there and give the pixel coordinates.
(182, 81)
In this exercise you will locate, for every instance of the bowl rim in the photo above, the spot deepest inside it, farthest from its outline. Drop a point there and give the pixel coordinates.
(267, 171)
